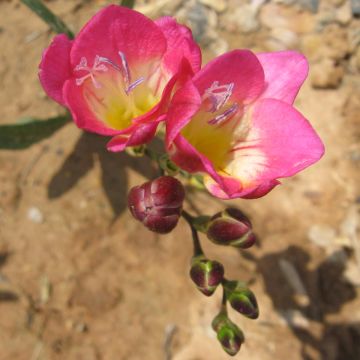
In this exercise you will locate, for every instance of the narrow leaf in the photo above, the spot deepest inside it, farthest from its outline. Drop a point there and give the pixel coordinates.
(49, 17)
(128, 3)
(21, 136)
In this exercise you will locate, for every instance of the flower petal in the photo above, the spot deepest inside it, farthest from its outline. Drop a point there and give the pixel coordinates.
(260, 190)
(184, 105)
(115, 29)
(180, 43)
(54, 68)
(280, 143)
(83, 117)
(285, 72)
(240, 67)
(139, 134)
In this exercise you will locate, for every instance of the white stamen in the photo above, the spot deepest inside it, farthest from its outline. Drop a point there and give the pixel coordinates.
(134, 85)
(126, 69)
(218, 95)
(97, 67)
(219, 119)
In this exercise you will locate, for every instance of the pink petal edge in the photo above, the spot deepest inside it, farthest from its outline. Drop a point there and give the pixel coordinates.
(285, 72)
(180, 43)
(54, 68)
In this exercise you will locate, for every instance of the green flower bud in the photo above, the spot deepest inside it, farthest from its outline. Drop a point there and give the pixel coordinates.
(231, 227)
(241, 298)
(228, 334)
(206, 274)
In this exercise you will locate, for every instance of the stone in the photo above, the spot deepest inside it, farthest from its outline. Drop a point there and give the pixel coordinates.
(337, 2)
(343, 14)
(355, 7)
(274, 16)
(310, 46)
(154, 8)
(357, 58)
(219, 46)
(354, 39)
(312, 5)
(218, 5)
(326, 74)
(35, 215)
(201, 19)
(295, 319)
(282, 39)
(332, 42)
(337, 41)
(244, 20)
(284, 2)
(322, 235)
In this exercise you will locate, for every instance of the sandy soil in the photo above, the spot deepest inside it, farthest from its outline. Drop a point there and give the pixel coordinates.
(81, 280)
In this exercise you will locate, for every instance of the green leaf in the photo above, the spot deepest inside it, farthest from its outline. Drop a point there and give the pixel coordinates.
(21, 136)
(128, 3)
(49, 17)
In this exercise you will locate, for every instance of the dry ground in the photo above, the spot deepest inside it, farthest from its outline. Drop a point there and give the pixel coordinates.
(81, 280)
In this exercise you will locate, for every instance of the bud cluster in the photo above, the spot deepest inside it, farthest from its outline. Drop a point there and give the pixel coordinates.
(157, 203)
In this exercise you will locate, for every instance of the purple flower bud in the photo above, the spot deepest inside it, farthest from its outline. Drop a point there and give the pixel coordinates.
(231, 227)
(242, 299)
(228, 334)
(157, 203)
(206, 274)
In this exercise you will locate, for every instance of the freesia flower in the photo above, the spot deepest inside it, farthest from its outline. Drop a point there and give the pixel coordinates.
(117, 75)
(234, 122)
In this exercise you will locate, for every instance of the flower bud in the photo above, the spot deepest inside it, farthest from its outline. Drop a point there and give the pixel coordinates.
(231, 227)
(228, 334)
(242, 299)
(206, 274)
(157, 203)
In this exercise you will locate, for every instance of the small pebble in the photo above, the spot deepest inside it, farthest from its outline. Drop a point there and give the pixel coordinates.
(355, 7)
(35, 215)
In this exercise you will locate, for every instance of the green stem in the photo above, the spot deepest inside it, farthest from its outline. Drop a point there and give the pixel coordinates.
(154, 156)
(128, 3)
(48, 16)
(223, 308)
(151, 154)
(197, 246)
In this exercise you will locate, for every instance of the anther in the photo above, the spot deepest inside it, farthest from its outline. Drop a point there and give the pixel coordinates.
(227, 114)
(126, 69)
(134, 85)
(83, 66)
(218, 95)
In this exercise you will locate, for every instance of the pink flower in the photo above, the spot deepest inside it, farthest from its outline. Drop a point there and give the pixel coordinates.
(234, 121)
(116, 77)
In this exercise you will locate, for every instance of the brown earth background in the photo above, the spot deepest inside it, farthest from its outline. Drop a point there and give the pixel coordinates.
(81, 280)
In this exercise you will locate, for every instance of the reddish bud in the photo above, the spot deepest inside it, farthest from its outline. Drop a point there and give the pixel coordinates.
(231, 227)
(157, 203)
(206, 274)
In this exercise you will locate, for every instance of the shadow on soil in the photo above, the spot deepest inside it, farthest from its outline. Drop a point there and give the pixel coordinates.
(327, 290)
(113, 170)
(5, 295)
